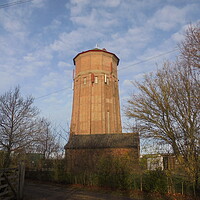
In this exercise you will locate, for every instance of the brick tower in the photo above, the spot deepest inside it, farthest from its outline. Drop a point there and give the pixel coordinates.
(96, 122)
(96, 108)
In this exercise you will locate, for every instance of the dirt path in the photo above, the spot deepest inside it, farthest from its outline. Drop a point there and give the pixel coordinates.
(41, 191)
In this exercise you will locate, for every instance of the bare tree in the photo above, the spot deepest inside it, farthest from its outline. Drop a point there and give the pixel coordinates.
(190, 46)
(18, 123)
(168, 108)
(47, 141)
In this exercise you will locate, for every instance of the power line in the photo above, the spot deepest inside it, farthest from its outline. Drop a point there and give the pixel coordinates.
(57, 91)
(14, 3)
(148, 59)
(142, 61)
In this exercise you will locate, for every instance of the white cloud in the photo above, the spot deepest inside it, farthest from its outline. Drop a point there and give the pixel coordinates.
(169, 17)
(68, 43)
(38, 3)
(112, 3)
(95, 19)
(88, 20)
(77, 6)
(31, 69)
(55, 24)
(7, 80)
(64, 65)
(54, 100)
(138, 77)
(177, 37)
(5, 47)
(43, 53)
(54, 80)
(14, 22)
(130, 43)
(127, 83)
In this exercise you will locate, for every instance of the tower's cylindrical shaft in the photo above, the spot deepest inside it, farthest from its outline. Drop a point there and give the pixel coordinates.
(96, 107)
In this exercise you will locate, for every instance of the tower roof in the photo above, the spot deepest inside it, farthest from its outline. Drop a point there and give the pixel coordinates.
(96, 50)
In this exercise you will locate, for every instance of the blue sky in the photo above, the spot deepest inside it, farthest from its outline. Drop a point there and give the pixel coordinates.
(39, 39)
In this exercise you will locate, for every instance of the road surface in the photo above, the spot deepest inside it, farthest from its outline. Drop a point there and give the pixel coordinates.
(44, 191)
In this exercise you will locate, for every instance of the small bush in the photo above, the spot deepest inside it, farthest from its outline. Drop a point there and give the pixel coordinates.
(155, 181)
(59, 174)
(114, 173)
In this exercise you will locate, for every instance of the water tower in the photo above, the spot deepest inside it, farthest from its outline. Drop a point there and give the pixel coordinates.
(96, 107)
(95, 130)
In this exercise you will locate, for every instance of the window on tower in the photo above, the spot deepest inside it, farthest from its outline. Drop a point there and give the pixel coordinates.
(96, 79)
(107, 81)
(84, 80)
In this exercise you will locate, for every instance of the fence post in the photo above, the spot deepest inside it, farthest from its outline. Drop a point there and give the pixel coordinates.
(21, 181)
(182, 188)
(141, 185)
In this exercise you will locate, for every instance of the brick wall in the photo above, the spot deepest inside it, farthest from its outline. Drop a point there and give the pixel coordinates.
(85, 153)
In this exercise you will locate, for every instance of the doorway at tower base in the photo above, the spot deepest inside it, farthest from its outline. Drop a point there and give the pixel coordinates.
(88, 153)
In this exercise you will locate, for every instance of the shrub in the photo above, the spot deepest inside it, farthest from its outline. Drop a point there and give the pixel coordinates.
(155, 181)
(114, 172)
